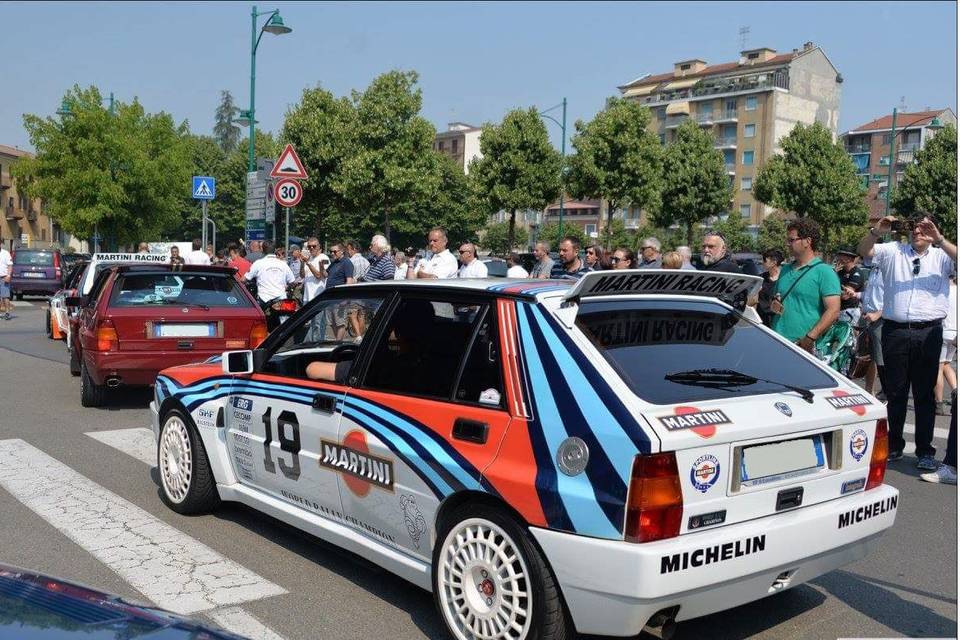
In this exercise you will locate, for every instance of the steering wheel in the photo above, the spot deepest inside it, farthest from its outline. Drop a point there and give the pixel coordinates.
(344, 352)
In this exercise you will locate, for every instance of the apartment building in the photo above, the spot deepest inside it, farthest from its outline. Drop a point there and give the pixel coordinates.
(869, 147)
(461, 142)
(747, 105)
(24, 222)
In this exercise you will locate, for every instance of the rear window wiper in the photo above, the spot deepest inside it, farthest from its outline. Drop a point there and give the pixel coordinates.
(198, 305)
(723, 378)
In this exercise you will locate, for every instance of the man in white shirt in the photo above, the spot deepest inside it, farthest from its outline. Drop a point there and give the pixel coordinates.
(271, 273)
(360, 264)
(314, 270)
(472, 267)
(441, 265)
(514, 268)
(198, 255)
(6, 272)
(916, 290)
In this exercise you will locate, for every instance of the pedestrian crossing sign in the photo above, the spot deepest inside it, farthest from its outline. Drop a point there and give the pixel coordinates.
(204, 188)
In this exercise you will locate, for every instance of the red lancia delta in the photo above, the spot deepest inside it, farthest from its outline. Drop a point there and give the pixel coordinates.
(139, 319)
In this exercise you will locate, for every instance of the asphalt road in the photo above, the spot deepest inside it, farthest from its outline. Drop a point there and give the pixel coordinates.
(301, 588)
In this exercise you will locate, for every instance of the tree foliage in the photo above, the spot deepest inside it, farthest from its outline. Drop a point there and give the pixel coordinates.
(226, 134)
(616, 235)
(123, 173)
(735, 233)
(519, 169)
(617, 158)
(550, 232)
(695, 182)
(773, 234)
(496, 238)
(930, 185)
(814, 178)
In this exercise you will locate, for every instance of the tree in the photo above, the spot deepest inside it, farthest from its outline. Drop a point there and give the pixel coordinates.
(550, 232)
(390, 160)
(735, 233)
(123, 174)
(814, 178)
(519, 169)
(695, 182)
(496, 238)
(930, 185)
(617, 158)
(773, 234)
(616, 235)
(226, 134)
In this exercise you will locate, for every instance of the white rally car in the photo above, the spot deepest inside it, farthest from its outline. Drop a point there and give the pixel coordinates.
(606, 457)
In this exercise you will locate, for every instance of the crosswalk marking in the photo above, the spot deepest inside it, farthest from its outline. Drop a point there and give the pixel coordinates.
(137, 442)
(937, 431)
(238, 621)
(170, 568)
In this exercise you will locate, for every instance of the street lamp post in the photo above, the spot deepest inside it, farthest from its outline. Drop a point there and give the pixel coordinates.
(563, 147)
(934, 124)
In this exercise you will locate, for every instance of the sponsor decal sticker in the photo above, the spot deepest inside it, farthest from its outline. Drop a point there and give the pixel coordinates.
(852, 485)
(710, 555)
(708, 519)
(853, 401)
(703, 423)
(206, 418)
(784, 408)
(858, 444)
(359, 468)
(704, 472)
(232, 300)
(858, 515)
(413, 519)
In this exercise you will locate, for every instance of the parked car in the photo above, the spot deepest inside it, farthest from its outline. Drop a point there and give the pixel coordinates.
(139, 319)
(602, 457)
(58, 318)
(70, 258)
(36, 272)
(496, 267)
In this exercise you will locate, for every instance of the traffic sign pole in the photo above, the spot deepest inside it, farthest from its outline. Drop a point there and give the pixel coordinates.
(286, 246)
(203, 224)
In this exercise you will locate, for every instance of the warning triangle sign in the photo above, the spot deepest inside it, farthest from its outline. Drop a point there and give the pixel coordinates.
(288, 165)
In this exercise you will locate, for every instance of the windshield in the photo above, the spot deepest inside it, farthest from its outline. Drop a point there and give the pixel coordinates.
(34, 258)
(648, 341)
(201, 289)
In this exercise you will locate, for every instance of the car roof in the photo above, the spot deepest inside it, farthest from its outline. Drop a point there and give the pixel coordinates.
(514, 287)
(166, 268)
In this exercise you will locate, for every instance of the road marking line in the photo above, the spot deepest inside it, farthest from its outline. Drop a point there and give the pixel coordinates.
(238, 621)
(170, 568)
(137, 442)
(938, 432)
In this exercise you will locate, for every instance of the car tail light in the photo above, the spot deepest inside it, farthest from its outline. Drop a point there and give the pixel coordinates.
(107, 339)
(878, 459)
(654, 500)
(286, 306)
(258, 334)
(56, 264)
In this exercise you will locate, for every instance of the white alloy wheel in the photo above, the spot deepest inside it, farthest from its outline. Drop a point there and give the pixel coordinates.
(485, 583)
(176, 459)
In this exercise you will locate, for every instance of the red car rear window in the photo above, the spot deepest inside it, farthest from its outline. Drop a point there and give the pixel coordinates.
(171, 288)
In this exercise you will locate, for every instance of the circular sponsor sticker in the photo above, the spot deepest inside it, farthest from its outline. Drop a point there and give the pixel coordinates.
(231, 300)
(704, 472)
(858, 444)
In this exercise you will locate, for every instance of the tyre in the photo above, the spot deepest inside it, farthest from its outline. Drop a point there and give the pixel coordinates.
(91, 393)
(74, 363)
(187, 484)
(17, 295)
(490, 581)
(49, 324)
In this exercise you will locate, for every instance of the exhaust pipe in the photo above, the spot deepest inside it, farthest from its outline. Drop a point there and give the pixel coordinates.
(662, 624)
(113, 381)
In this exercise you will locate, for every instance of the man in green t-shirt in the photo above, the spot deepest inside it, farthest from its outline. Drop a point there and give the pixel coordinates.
(807, 302)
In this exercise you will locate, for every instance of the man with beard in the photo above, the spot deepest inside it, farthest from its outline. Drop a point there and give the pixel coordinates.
(715, 254)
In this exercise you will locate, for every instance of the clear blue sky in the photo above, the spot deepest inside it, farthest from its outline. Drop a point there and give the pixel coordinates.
(476, 61)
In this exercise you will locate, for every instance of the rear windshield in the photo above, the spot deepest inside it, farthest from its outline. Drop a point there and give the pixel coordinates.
(154, 289)
(644, 341)
(34, 258)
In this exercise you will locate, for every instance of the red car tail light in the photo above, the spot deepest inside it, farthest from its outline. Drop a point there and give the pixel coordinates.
(654, 500)
(107, 338)
(878, 459)
(258, 334)
(286, 306)
(56, 264)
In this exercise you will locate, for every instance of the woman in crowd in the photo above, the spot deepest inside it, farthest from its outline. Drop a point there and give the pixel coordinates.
(623, 258)
(772, 259)
(671, 260)
(597, 258)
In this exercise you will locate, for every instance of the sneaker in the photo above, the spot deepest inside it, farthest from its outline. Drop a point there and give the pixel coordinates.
(943, 409)
(927, 463)
(6, 316)
(881, 396)
(893, 456)
(943, 475)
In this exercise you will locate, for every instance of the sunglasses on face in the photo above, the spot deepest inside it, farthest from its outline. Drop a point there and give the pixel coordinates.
(645, 248)
(615, 260)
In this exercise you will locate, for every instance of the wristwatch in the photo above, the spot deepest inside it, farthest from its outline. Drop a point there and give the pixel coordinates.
(875, 233)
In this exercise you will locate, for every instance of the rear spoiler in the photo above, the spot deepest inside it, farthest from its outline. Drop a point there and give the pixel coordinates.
(711, 284)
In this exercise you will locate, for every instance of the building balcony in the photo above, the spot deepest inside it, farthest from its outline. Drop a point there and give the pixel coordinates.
(11, 213)
(742, 83)
(863, 147)
(730, 115)
(672, 122)
(725, 142)
(31, 214)
(905, 157)
(731, 168)
(910, 146)
(705, 119)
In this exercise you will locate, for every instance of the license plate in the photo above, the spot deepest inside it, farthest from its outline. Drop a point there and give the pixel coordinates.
(185, 330)
(32, 275)
(765, 463)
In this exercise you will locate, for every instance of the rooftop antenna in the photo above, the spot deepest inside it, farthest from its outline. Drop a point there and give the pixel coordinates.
(903, 103)
(743, 32)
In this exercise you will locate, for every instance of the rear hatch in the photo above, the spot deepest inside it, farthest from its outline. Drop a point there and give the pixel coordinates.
(756, 427)
(181, 311)
(36, 265)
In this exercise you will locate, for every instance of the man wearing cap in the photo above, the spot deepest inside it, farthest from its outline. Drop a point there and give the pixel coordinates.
(851, 285)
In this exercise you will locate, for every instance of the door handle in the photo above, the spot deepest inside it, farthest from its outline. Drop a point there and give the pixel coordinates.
(470, 430)
(323, 402)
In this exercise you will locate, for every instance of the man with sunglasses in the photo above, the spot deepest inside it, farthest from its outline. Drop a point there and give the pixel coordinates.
(650, 257)
(916, 290)
(471, 267)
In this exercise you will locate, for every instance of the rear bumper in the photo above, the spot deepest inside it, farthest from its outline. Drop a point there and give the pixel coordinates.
(35, 285)
(613, 588)
(139, 368)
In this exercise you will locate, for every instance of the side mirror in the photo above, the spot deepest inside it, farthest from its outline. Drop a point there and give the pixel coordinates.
(237, 363)
(76, 301)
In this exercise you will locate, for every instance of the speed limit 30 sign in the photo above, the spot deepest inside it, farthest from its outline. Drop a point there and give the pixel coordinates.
(288, 192)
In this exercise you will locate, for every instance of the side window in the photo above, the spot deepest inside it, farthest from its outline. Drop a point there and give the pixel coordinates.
(422, 348)
(482, 379)
(98, 286)
(333, 333)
